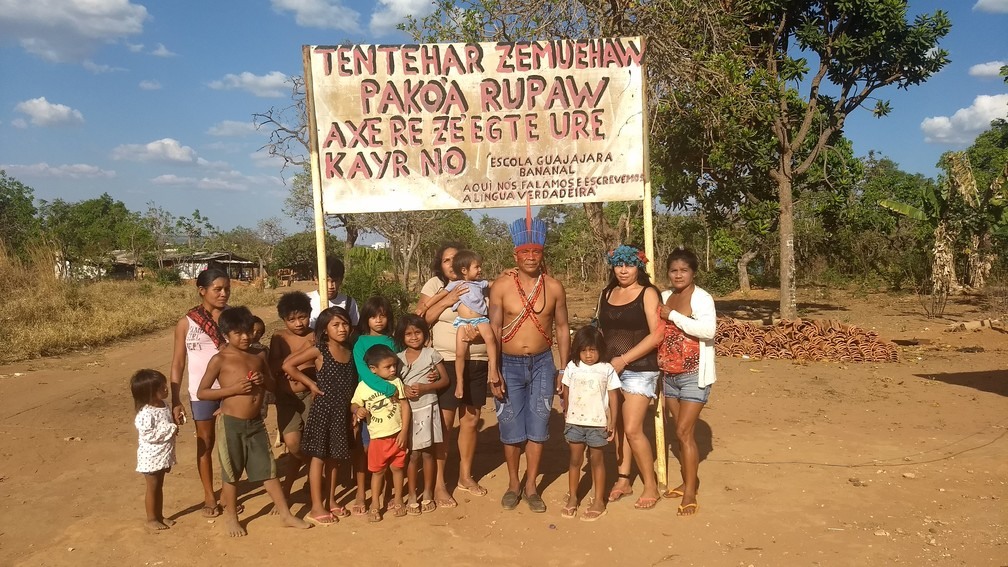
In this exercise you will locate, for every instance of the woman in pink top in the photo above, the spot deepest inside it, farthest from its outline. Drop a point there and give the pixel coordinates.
(197, 339)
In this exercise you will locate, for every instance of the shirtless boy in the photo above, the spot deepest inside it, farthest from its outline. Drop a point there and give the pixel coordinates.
(293, 400)
(526, 308)
(242, 442)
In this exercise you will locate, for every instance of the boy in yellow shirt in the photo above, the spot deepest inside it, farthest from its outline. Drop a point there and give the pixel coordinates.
(388, 420)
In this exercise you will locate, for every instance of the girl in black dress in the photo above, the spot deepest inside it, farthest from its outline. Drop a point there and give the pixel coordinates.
(327, 434)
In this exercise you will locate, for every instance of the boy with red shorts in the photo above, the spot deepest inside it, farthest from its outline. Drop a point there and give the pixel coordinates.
(388, 420)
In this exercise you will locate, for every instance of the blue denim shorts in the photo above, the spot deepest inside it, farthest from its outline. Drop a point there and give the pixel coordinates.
(641, 383)
(685, 387)
(530, 382)
(586, 435)
(203, 410)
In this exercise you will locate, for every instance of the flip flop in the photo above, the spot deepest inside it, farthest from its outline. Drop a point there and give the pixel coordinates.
(446, 502)
(475, 490)
(568, 512)
(682, 509)
(673, 493)
(617, 494)
(397, 510)
(374, 515)
(358, 509)
(644, 503)
(591, 515)
(428, 506)
(320, 520)
(339, 512)
(414, 509)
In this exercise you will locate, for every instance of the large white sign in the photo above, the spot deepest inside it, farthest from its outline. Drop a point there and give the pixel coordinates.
(472, 125)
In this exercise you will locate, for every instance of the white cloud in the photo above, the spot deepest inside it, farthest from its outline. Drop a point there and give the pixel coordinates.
(67, 171)
(69, 30)
(134, 47)
(390, 13)
(166, 150)
(991, 6)
(987, 70)
(230, 128)
(323, 14)
(963, 126)
(100, 69)
(272, 85)
(44, 113)
(225, 181)
(262, 158)
(150, 85)
(19, 123)
(162, 51)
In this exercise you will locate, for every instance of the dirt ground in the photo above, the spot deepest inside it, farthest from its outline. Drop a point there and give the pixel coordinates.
(802, 464)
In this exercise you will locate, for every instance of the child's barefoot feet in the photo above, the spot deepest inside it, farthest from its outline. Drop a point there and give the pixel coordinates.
(292, 521)
(232, 527)
(155, 526)
(211, 510)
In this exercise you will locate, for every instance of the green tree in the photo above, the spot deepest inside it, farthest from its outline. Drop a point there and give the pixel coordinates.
(18, 223)
(298, 253)
(88, 231)
(857, 47)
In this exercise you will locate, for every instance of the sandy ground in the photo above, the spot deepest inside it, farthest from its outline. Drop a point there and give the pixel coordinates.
(803, 464)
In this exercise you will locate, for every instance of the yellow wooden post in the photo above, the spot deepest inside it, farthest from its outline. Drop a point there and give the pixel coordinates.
(320, 245)
(661, 451)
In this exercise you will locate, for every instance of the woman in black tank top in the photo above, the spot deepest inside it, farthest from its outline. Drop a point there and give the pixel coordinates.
(628, 313)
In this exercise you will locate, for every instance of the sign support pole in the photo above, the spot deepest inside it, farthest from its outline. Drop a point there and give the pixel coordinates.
(647, 204)
(316, 179)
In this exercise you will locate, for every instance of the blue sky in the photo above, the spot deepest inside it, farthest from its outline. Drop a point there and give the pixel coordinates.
(153, 102)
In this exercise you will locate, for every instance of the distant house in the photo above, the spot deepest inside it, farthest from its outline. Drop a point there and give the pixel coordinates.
(237, 267)
(381, 245)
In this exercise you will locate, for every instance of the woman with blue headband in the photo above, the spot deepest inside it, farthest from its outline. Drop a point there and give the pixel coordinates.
(685, 343)
(628, 315)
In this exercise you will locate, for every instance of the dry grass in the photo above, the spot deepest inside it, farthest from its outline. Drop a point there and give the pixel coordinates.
(44, 315)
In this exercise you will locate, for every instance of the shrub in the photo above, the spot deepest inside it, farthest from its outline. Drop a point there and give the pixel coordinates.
(167, 276)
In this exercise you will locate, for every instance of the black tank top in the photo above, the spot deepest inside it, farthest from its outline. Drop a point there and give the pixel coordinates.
(624, 326)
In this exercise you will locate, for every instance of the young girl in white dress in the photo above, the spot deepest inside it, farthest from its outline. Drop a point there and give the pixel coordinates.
(156, 444)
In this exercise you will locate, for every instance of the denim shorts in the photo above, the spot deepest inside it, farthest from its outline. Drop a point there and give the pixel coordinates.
(587, 435)
(641, 383)
(203, 410)
(685, 387)
(530, 381)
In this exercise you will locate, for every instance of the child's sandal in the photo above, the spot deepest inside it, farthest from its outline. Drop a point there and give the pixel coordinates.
(413, 509)
(398, 510)
(374, 515)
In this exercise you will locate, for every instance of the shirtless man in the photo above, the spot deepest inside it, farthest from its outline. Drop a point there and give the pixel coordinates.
(526, 308)
(242, 443)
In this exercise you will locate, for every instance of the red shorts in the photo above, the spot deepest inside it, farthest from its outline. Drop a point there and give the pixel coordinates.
(384, 452)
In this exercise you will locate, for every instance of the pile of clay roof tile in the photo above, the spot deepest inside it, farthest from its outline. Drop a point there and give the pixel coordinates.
(802, 339)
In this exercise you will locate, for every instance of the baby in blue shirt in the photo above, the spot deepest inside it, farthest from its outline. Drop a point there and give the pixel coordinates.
(470, 309)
